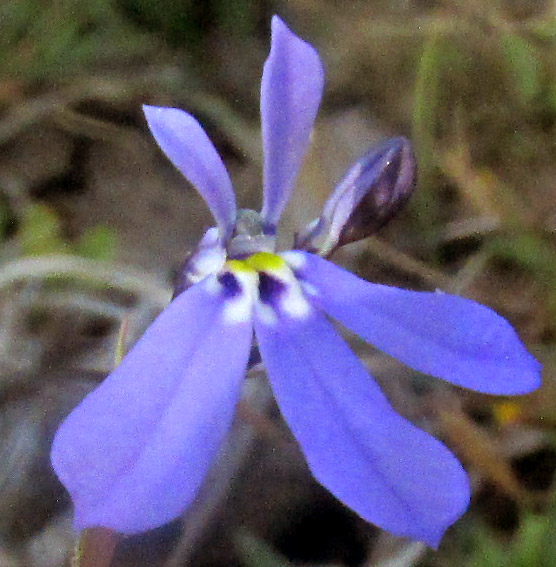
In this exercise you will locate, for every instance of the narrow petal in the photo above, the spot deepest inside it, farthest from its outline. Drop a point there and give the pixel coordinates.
(444, 335)
(374, 461)
(186, 145)
(291, 89)
(133, 454)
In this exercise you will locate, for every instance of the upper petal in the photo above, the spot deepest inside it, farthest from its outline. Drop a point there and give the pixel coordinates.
(444, 335)
(133, 454)
(187, 146)
(370, 458)
(291, 89)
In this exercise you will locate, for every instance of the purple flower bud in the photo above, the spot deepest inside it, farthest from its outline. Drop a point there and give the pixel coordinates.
(372, 191)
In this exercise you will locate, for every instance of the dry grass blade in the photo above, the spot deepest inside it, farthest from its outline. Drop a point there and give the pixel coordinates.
(478, 448)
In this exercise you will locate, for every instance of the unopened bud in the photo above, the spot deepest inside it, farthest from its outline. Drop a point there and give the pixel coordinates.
(372, 191)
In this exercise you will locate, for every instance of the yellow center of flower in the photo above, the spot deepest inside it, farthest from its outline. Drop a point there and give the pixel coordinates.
(258, 262)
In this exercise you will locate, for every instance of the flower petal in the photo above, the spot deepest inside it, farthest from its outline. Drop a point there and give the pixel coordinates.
(444, 335)
(207, 258)
(134, 452)
(291, 89)
(187, 146)
(374, 461)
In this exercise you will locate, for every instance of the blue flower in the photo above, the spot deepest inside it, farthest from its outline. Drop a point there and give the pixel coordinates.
(134, 453)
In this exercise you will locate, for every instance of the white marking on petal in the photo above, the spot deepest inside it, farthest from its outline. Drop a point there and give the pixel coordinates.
(207, 262)
(266, 314)
(292, 301)
(295, 260)
(308, 288)
(212, 285)
(239, 309)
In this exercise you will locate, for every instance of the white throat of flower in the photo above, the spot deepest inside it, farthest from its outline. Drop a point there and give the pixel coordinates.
(266, 286)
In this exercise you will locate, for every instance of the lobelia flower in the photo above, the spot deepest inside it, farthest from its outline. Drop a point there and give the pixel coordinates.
(133, 454)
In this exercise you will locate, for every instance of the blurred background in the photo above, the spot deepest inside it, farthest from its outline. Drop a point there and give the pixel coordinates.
(94, 223)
